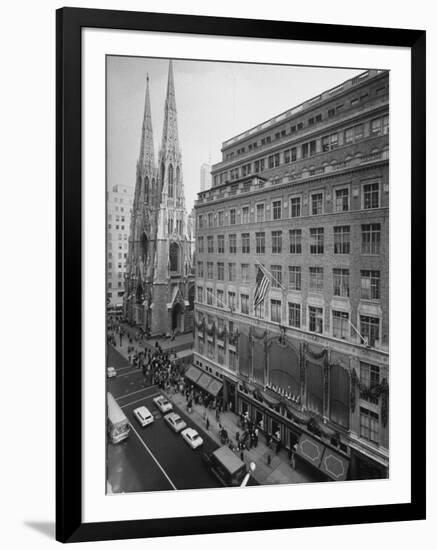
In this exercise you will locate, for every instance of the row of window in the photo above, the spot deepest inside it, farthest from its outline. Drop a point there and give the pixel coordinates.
(310, 122)
(368, 331)
(354, 134)
(370, 198)
(370, 241)
(370, 279)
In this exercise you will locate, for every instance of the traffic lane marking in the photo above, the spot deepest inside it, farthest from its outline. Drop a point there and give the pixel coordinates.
(137, 391)
(153, 456)
(144, 398)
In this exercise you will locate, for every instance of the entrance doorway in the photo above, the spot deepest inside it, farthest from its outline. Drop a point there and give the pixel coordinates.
(177, 318)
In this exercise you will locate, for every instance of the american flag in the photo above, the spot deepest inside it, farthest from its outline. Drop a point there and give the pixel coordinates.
(262, 284)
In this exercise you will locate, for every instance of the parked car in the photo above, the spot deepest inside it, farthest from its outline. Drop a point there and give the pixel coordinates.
(175, 422)
(192, 438)
(111, 372)
(163, 404)
(143, 415)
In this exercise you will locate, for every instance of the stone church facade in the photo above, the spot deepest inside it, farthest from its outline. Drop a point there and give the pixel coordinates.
(159, 283)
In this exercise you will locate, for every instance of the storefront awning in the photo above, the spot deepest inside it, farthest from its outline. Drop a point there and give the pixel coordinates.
(334, 465)
(214, 387)
(193, 374)
(310, 449)
(204, 381)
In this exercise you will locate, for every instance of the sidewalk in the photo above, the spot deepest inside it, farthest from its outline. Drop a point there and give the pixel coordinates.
(278, 472)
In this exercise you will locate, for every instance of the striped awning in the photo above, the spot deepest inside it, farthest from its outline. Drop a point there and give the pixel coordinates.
(193, 373)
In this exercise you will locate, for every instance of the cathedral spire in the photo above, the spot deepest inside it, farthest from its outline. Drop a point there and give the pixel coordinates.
(147, 156)
(170, 128)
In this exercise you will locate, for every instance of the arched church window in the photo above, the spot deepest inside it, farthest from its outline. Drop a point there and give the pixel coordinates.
(162, 176)
(170, 181)
(174, 257)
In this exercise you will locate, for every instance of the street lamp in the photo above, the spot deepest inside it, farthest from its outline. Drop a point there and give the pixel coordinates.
(252, 468)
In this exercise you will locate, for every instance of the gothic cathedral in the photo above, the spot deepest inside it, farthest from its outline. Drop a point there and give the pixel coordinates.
(159, 284)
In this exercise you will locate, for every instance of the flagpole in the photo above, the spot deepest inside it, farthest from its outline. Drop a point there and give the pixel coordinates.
(263, 267)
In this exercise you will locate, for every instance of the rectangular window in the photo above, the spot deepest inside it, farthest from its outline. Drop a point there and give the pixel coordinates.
(287, 156)
(245, 214)
(220, 355)
(316, 279)
(260, 241)
(210, 296)
(370, 284)
(221, 218)
(233, 360)
(371, 195)
(210, 241)
(220, 299)
(341, 200)
(293, 154)
(244, 273)
(294, 315)
(369, 378)
(316, 204)
(385, 125)
(200, 244)
(210, 219)
(245, 243)
(276, 242)
(231, 300)
(369, 328)
(305, 149)
(220, 271)
(315, 319)
(341, 282)
(233, 244)
(221, 244)
(349, 135)
(200, 269)
(370, 238)
(294, 277)
(260, 214)
(369, 425)
(330, 142)
(295, 241)
(231, 272)
(316, 240)
(210, 270)
(259, 310)
(244, 303)
(275, 311)
(342, 239)
(232, 216)
(276, 210)
(276, 276)
(295, 207)
(340, 325)
(375, 127)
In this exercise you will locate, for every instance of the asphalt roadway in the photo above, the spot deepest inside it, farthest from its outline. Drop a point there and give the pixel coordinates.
(153, 458)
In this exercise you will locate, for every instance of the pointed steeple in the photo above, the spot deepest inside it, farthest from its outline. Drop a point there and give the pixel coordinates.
(170, 129)
(147, 155)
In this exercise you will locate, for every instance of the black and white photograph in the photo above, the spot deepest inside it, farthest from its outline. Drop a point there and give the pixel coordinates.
(247, 274)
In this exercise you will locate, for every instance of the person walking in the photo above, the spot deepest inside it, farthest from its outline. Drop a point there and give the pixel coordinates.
(207, 423)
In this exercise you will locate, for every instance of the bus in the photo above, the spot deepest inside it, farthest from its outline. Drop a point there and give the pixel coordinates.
(118, 424)
(226, 466)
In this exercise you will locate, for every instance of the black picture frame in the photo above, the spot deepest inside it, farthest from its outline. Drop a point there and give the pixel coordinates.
(69, 524)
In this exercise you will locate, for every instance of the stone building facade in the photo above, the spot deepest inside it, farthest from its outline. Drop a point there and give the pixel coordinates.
(159, 283)
(303, 198)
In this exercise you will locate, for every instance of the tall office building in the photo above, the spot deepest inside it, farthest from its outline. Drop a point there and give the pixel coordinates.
(119, 201)
(205, 176)
(292, 277)
(159, 281)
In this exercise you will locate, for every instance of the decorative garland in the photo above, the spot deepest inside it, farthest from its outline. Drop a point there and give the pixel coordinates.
(373, 392)
(315, 355)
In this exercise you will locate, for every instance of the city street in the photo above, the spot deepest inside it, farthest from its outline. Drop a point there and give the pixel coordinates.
(153, 458)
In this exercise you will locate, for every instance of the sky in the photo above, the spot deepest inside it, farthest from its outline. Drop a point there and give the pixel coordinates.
(214, 100)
